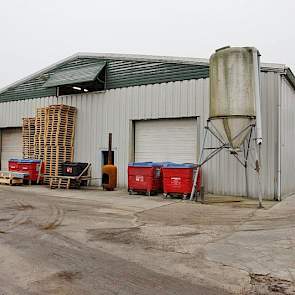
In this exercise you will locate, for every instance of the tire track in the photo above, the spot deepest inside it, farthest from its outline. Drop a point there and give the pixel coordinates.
(54, 219)
(22, 215)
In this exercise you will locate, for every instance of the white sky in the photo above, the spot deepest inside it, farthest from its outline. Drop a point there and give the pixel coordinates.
(37, 33)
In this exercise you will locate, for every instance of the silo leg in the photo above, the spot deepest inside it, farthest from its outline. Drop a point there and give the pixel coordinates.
(258, 171)
(198, 167)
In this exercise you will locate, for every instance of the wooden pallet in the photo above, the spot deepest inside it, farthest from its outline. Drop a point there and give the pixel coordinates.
(54, 137)
(55, 156)
(67, 182)
(11, 178)
(28, 135)
(60, 125)
(40, 133)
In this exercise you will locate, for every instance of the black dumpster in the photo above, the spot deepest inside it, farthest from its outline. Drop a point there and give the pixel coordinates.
(73, 168)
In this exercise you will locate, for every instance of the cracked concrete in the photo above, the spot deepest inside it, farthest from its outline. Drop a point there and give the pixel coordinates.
(218, 246)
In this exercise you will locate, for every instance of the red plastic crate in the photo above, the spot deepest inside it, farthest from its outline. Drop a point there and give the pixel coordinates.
(178, 179)
(144, 177)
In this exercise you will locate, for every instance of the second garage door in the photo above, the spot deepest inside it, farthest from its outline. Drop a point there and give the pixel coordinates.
(173, 140)
(11, 145)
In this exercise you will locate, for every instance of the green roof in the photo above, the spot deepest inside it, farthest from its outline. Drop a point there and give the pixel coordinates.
(85, 73)
(120, 71)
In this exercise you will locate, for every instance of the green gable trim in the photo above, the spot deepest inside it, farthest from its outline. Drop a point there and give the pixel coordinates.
(79, 74)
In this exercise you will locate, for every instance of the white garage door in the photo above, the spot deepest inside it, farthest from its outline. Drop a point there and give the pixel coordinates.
(11, 145)
(173, 140)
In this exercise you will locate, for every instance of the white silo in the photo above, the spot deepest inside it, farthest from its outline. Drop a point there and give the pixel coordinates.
(234, 110)
(234, 91)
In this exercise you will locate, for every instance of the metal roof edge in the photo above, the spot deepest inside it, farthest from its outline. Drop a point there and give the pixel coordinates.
(273, 67)
(143, 57)
(36, 74)
(136, 57)
(290, 76)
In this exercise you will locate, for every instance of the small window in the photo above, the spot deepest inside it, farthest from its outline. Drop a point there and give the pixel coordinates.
(80, 88)
(81, 79)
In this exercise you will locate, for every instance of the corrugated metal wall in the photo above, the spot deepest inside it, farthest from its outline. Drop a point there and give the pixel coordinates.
(287, 137)
(114, 110)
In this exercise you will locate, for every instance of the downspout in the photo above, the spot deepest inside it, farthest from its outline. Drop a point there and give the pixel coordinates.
(256, 60)
(279, 193)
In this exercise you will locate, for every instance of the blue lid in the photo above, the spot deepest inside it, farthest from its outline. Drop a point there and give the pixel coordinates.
(29, 161)
(161, 164)
(25, 160)
(174, 165)
(144, 164)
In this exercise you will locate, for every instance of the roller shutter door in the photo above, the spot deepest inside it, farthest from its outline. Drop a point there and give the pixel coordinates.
(11, 145)
(173, 140)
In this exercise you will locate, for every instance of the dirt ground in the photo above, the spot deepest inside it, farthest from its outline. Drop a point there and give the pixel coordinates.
(95, 242)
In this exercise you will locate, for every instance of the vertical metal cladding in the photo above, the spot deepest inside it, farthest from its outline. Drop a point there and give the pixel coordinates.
(287, 138)
(113, 111)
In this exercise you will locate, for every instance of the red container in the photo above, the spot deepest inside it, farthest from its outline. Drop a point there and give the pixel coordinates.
(178, 179)
(13, 165)
(31, 167)
(144, 177)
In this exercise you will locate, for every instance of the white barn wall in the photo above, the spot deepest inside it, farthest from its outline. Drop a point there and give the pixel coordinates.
(287, 137)
(114, 110)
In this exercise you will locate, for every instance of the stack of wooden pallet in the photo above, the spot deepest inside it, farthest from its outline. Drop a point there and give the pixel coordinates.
(40, 133)
(28, 131)
(12, 178)
(59, 139)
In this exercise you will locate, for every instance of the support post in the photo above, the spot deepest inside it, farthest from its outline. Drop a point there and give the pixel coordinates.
(199, 165)
(246, 178)
(258, 171)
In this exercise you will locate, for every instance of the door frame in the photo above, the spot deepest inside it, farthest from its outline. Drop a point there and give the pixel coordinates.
(132, 123)
(1, 137)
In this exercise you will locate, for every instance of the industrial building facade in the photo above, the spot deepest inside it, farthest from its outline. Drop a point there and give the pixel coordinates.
(156, 108)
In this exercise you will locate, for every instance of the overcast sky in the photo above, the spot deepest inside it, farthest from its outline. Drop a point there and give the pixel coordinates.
(37, 33)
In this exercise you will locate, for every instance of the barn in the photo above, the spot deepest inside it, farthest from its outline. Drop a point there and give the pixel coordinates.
(156, 108)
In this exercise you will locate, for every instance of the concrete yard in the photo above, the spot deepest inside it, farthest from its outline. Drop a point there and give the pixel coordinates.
(95, 242)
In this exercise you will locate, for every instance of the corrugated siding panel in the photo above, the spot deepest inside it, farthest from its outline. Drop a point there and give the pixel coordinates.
(114, 110)
(120, 73)
(287, 138)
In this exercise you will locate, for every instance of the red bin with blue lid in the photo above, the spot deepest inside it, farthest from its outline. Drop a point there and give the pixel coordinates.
(33, 168)
(178, 179)
(144, 177)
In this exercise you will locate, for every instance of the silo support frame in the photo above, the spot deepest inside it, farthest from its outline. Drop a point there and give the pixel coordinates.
(226, 145)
